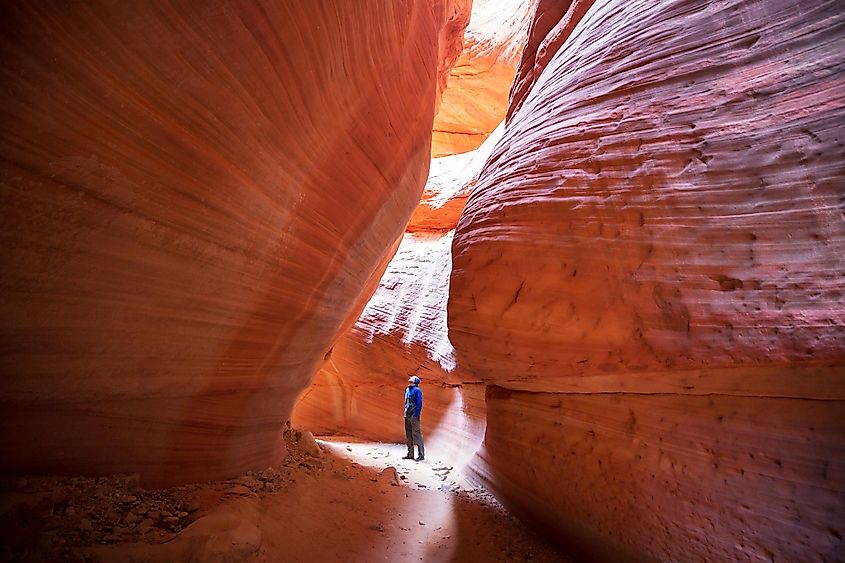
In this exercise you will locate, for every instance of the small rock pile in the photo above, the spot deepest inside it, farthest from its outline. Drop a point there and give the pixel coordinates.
(255, 482)
(301, 445)
(303, 453)
(46, 517)
(49, 518)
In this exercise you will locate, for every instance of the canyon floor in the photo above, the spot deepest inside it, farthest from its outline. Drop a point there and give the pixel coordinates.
(357, 501)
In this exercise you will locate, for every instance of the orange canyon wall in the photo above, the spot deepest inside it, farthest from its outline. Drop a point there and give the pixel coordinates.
(194, 201)
(648, 276)
(403, 330)
(476, 98)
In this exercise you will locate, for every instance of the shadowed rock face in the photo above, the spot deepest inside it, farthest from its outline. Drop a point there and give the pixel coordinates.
(193, 202)
(649, 275)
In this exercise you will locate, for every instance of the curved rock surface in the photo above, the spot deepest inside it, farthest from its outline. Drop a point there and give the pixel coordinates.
(476, 98)
(648, 276)
(193, 202)
(450, 181)
(403, 330)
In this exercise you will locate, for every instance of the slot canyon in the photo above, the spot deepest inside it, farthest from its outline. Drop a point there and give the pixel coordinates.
(607, 235)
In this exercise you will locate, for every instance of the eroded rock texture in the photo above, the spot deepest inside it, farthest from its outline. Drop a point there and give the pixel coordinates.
(476, 98)
(403, 330)
(194, 200)
(649, 277)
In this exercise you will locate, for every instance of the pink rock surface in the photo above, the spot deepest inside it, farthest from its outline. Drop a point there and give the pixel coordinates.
(476, 98)
(403, 330)
(194, 200)
(649, 270)
(551, 25)
(635, 477)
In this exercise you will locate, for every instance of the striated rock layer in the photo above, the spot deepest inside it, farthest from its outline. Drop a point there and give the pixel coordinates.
(403, 330)
(193, 202)
(648, 276)
(476, 99)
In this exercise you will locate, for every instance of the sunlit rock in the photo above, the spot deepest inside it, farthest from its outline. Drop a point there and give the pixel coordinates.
(476, 98)
(402, 331)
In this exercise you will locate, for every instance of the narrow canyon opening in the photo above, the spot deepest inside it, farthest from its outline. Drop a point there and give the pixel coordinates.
(607, 235)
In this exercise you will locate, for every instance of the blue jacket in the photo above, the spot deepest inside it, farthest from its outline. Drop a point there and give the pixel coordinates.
(413, 401)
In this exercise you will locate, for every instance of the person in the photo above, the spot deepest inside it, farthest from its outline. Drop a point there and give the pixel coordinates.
(413, 408)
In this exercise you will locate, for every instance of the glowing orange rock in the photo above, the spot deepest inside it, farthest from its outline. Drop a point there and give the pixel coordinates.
(476, 98)
(193, 202)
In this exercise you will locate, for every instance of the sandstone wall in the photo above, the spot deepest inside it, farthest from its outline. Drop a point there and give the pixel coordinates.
(402, 330)
(476, 98)
(648, 276)
(194, 199)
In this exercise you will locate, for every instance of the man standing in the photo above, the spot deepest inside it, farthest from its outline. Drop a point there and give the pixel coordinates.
(413, 407)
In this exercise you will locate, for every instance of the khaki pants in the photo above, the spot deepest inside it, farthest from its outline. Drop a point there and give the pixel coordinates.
(413, 435)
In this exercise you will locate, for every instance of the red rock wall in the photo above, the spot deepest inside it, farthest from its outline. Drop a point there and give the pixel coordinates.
(635, 477)
(649, 271)
(553, 21)
(194, 200)
(403, 330)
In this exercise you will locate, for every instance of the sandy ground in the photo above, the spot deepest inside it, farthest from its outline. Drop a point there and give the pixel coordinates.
(356, 502)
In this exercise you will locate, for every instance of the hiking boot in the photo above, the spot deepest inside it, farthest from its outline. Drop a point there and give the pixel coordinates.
(409, 456)
(420, 458)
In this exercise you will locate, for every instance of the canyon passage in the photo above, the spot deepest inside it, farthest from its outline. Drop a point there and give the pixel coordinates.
(607, 235)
